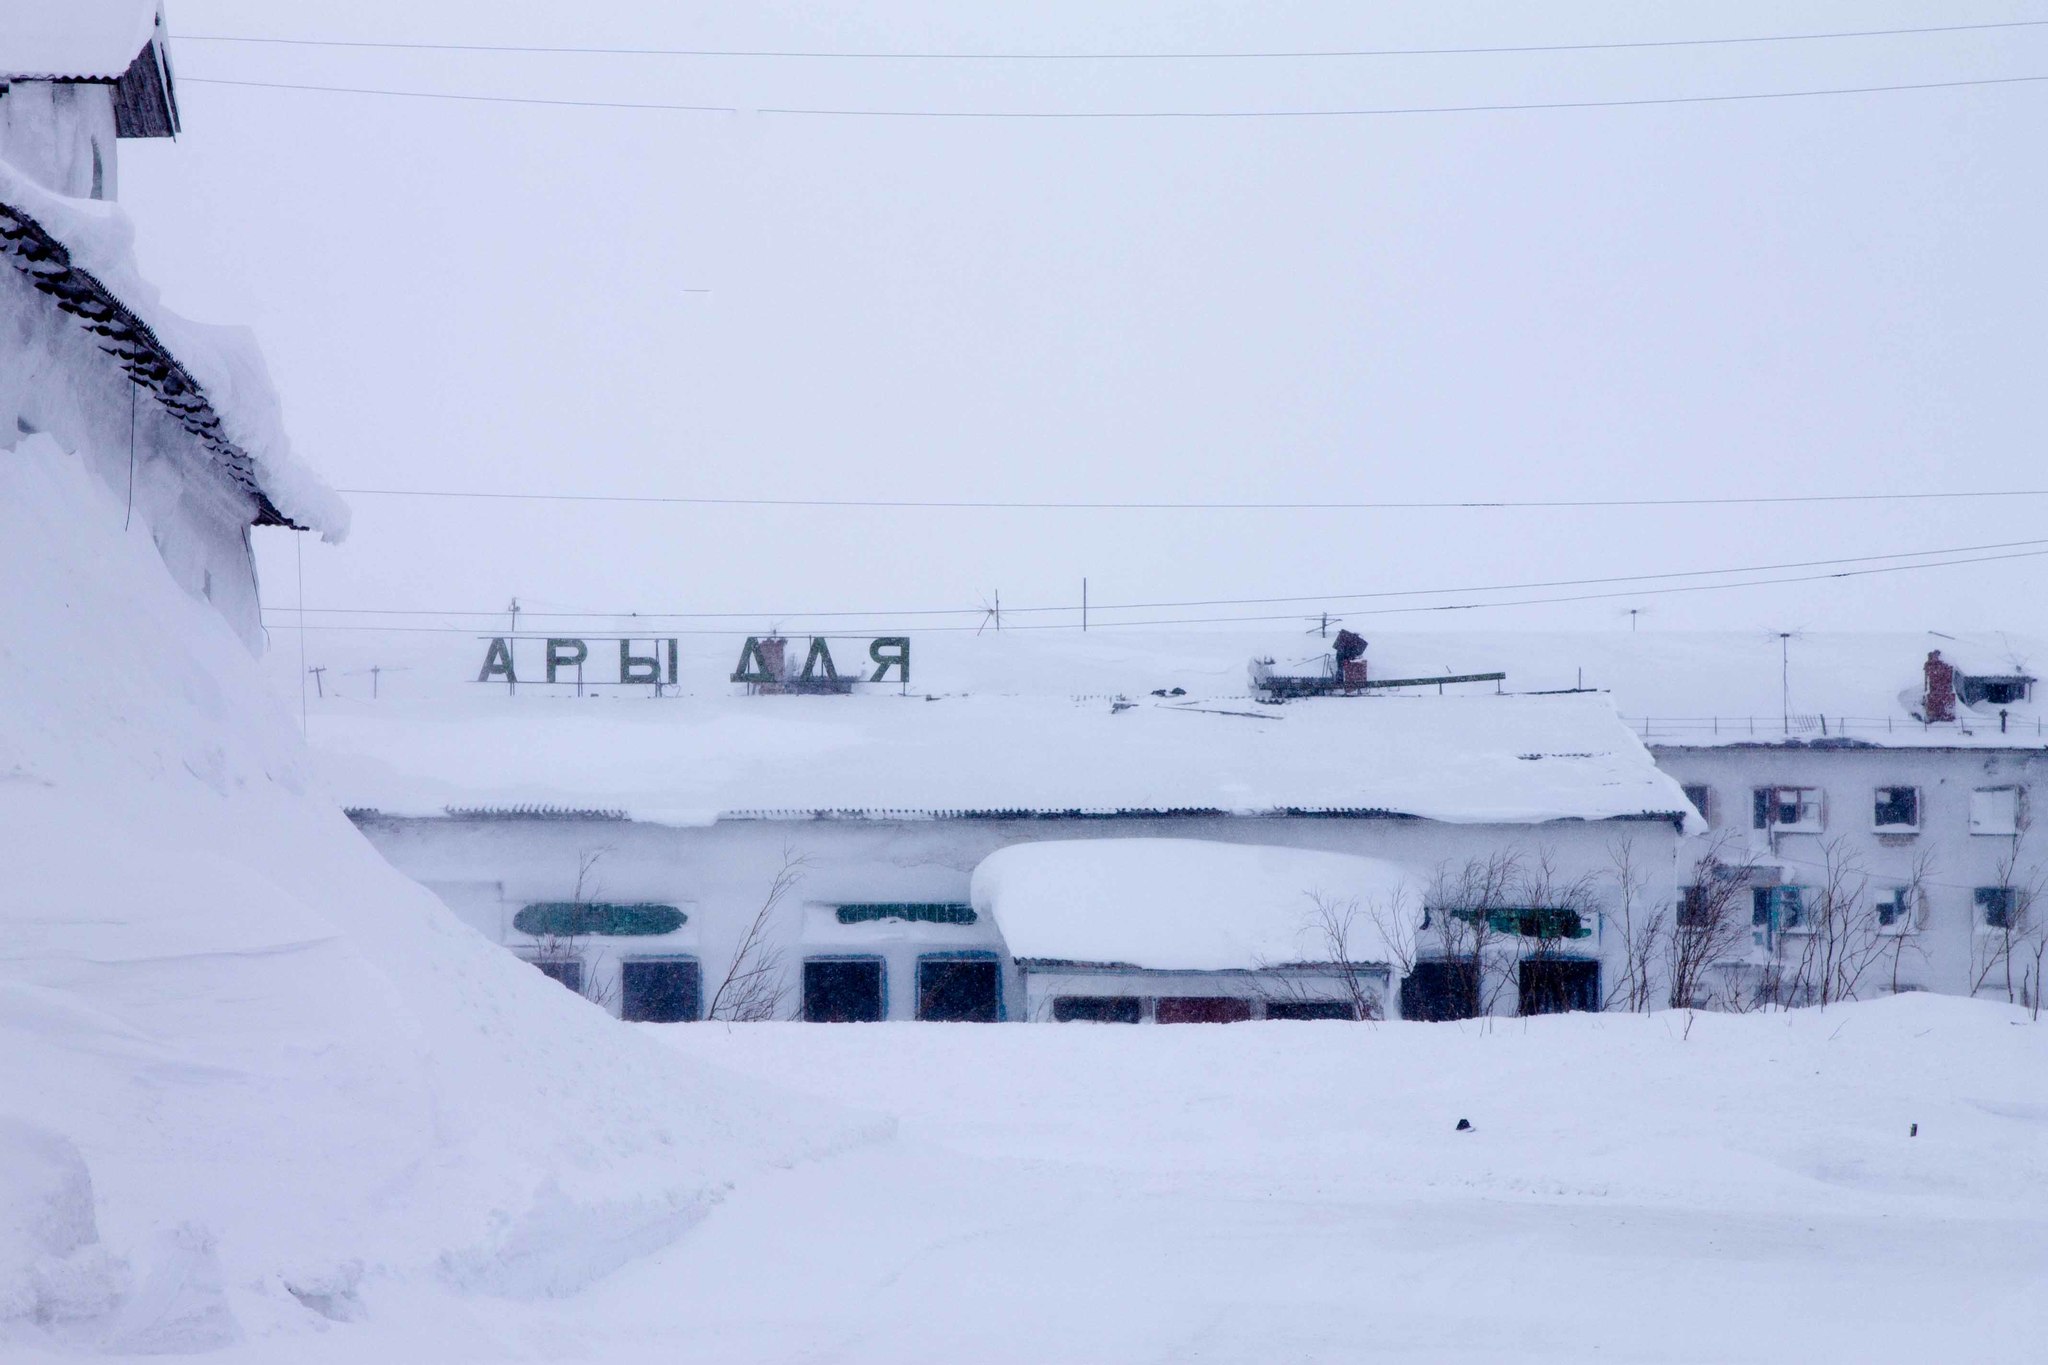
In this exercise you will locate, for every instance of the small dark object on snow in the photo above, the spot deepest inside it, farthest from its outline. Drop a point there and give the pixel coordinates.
(1464, 1125)
(1915, 1132)
(1350, 645)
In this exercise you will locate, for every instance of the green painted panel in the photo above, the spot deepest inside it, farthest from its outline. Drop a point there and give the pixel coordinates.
(575, 919)
(922, 912)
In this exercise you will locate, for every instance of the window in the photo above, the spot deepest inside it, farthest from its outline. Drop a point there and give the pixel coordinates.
(567, 970)
(1897, 808)
(843, 990)
(1203, 1009)
(1097, 1009)
(918, 912)
(1994, 906)
(575, 919)
(1702, 799)
(1546, 922)
(959, 990)
(1692, 907)
(1439, 990)
(1995, 810)
(1776, 910)
(1895, 910)
(1311, 1009)
(1795, 809)
(1558, 985)
(1994, 690)
(660, 992)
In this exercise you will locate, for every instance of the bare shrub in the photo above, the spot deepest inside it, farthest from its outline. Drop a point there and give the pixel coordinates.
(755, 984)
(1711, 927)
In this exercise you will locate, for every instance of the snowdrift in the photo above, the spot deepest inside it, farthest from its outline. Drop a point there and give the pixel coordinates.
(247, 1071)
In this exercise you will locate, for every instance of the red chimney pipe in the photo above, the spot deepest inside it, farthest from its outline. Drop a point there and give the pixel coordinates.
(1939, 701)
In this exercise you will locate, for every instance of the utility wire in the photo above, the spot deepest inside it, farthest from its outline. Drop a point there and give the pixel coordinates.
(997, 505)
(1371, 611)
(1071, 114)
(1329, 598)
(1282, 55)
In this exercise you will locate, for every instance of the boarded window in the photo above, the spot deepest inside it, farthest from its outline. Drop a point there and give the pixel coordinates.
(1557, 985)
(959, 991)
(843, 991)
(1441, 990)
(917, 912)
(1995, 810)
(1310, 1009)
(576, 919)
(1202, 1009)
(1897, 808)
(567, 970)
(1097, 1009)
(1895, 909)
(660, 992)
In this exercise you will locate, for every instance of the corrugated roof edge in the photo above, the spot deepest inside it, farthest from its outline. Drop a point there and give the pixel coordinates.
(883, 815)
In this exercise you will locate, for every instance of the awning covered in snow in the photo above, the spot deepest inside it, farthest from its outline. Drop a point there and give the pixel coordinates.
(1194, 905)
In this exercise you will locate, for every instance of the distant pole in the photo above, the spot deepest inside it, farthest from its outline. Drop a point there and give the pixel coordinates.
(1084, 605)
(316, 671)
(375, 669)
(1632, 611)
(299, 554)
(1785, 678)
(512, 645)
(999, 611)
(1326, 625)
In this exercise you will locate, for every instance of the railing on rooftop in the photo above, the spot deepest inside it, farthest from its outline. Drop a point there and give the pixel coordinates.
(1872, 728)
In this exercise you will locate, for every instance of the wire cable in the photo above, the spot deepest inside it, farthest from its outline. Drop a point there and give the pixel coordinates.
(1281, 55)
(1141, 114)
(1321, 598)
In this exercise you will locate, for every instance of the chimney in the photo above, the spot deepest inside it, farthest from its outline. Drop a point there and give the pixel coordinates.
(1939, 702)
(772, 652)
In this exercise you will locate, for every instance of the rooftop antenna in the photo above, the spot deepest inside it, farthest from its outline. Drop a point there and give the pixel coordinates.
(991, 613)
(374, 671)
(1785, 639)
(316, 671)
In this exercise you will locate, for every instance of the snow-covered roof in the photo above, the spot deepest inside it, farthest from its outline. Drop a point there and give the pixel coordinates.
(212, 379)
(1193, 904)
(73, 39)
(692, 759)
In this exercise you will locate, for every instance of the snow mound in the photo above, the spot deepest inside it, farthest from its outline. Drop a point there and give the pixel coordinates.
(1190, 904)
(249, 1073)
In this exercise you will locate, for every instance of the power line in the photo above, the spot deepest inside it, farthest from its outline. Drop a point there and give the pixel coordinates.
(1282, 55)
(998, 505)
(1323, 598)
(1123, 114)
(1371, 611)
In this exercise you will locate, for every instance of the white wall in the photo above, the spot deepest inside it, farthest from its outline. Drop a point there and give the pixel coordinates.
(1946, 951)
(55, 380)
(719, 874)
(52, 130)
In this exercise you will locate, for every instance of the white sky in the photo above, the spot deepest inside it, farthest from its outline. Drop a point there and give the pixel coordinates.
(1804, 296)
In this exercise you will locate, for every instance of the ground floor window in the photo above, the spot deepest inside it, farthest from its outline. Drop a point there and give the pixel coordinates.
(843, 990)
(1441, 990)
(1311, 1009)
(959, 990)
(567, 970)
(660, 992)
(1097, 1009)
(1558, 985)
(1202, 1009)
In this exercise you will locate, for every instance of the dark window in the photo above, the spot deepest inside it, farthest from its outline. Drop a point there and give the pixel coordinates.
(1441, 990)
(1997, 691)
(660, 992)
(1898, 806)
(960, 992)
(1310, 1009)
(1097, 1009)
(1702, 801)
(1777, 907)
(1692, 907)
(1894, 908)
(1994, 906)
(843, 992)
(1557, 985)
(1203, 1009)
(567, 970)
(1793, 807)
(922, 912)
(575, 919)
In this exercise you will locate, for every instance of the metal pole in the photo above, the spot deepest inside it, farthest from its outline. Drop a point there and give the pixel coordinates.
(1084, 604)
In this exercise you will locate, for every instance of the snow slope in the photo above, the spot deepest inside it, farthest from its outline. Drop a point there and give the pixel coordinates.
(247, 1070)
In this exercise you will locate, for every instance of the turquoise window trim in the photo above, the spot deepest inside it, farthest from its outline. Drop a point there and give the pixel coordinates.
(916, 912)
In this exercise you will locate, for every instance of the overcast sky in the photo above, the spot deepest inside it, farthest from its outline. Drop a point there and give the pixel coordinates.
(1833, 295)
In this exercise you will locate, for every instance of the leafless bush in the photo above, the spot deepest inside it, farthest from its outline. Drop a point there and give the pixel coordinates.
(1710, 927)
(2009, 956)
(755, 984)
(1337, 928)
(1642, 926)
(554, 949)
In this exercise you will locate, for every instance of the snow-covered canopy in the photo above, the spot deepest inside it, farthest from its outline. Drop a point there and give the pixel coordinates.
(73, 39)
(1191, 904)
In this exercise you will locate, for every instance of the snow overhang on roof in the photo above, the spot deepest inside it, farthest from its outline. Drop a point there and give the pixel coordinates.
(78, 253)
(118, 42)
(1196, 905)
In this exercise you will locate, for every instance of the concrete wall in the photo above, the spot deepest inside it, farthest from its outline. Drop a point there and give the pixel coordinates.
(718, 875)
(1946, 948)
